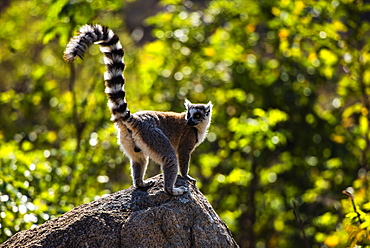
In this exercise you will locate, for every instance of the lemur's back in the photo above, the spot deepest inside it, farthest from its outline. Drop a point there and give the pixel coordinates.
(172, 124)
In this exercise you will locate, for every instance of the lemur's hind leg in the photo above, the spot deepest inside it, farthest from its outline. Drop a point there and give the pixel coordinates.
(159, 148)
(138, 160)
(138, 168)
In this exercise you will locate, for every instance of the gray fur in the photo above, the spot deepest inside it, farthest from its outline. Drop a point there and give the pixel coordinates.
(168, 138)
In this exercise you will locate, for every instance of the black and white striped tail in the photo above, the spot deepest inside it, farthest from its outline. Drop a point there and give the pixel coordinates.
(113, 52)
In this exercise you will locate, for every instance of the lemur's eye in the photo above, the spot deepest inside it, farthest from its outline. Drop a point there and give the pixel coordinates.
(197, 116)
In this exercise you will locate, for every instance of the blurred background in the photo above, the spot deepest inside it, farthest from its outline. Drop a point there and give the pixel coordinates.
(289, 81)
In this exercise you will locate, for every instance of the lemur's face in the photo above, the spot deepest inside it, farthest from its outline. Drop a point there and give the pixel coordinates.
(197, 113)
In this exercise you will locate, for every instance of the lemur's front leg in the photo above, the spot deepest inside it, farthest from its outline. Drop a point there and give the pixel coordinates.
(184, 152)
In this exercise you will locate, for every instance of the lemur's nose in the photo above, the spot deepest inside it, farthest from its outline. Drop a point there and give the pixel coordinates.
(191, 122)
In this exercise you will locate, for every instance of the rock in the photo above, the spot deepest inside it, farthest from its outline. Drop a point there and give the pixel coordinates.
(134, 218)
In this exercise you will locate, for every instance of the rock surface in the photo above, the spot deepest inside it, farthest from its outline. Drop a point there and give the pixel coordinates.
(134, 218)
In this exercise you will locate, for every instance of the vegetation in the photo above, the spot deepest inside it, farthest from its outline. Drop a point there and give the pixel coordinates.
(286, 161)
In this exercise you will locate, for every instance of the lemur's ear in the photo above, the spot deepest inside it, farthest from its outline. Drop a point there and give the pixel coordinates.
(187, 103)
(209, 106)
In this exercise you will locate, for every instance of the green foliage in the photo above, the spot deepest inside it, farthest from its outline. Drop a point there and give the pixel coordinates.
(357, 222)
(289, 81)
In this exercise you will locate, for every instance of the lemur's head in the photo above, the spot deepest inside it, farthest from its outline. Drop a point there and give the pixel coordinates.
(198, 113)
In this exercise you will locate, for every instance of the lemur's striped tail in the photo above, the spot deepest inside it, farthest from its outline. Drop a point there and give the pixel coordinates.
(111, 47)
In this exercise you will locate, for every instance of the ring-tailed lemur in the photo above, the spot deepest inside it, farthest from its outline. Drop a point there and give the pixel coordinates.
(166, 137)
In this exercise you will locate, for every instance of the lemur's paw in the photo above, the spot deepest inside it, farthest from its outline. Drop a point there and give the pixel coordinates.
(145, 184)
(177, 191)
(190, 178)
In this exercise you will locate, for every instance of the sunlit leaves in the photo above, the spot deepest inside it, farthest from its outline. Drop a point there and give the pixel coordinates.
(256, 131)
(358, 225)
(22, 177)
